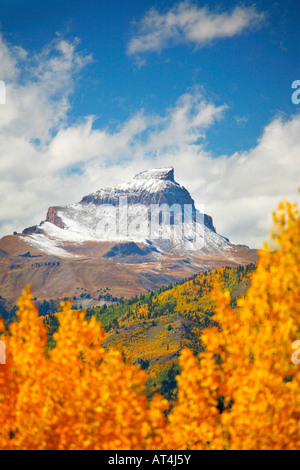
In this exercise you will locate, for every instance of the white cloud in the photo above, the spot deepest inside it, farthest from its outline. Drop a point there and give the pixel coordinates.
(187, 23)
(72, 160)
(248, 185)
(9, 57)
(37, 92)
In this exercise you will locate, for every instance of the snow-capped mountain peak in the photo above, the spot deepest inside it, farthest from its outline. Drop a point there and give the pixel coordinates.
(163, 174)
(151, 208)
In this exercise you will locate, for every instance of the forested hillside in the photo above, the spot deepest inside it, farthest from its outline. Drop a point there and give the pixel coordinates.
(153, 328)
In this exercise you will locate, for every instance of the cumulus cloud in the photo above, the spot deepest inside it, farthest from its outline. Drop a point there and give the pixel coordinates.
(47, 160)
(37, 103)
(187, 23)
(242, 190)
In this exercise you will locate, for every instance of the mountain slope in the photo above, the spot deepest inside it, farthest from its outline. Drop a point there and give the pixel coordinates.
(129, 238)
(152, 329)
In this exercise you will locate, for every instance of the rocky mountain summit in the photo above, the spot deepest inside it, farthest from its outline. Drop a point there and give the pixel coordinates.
(130, 238)
(146, 205)
(156, 186)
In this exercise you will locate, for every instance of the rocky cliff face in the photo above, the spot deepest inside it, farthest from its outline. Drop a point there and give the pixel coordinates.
(53, 218)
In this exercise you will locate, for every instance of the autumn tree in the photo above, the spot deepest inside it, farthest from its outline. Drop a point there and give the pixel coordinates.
(76, 396)
(243, 391)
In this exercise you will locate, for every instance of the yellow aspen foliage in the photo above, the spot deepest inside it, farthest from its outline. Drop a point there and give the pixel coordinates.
(77, 396)
(243, 391)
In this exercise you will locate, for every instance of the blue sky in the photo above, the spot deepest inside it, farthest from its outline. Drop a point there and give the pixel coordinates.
(204, 86)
